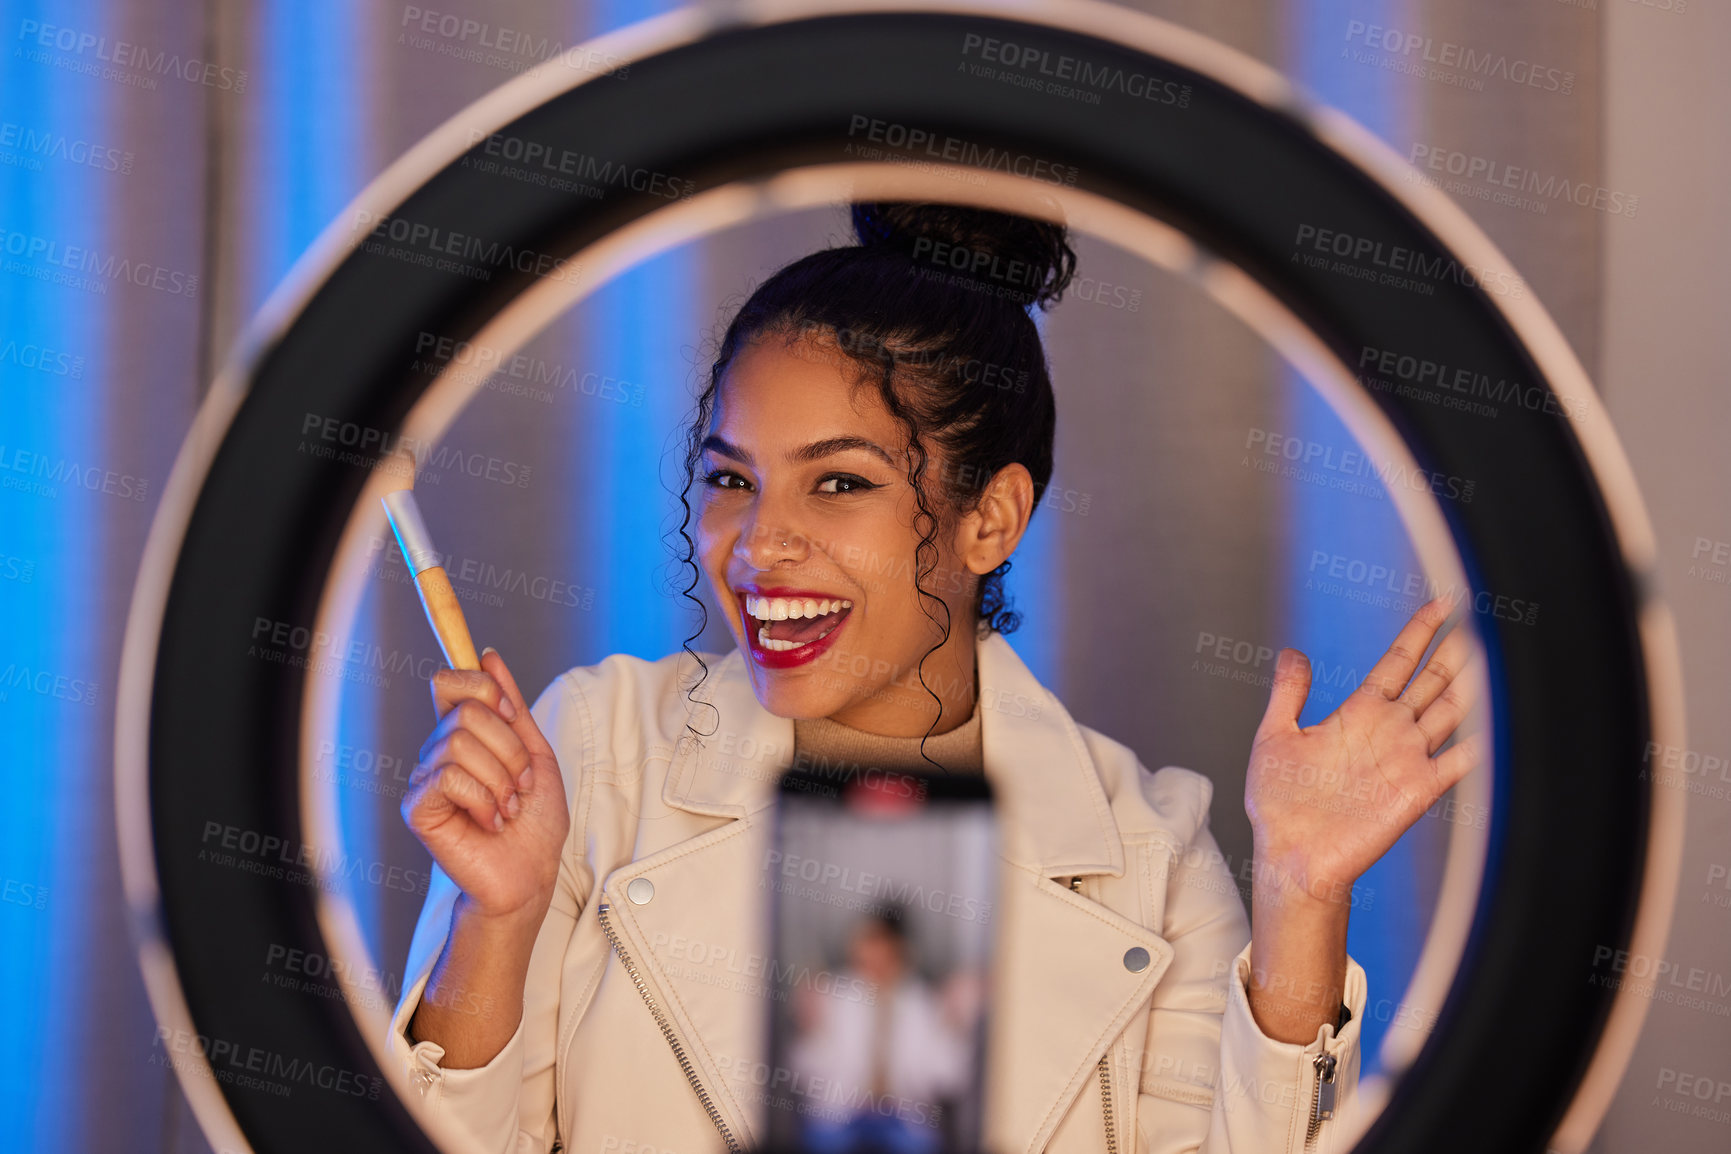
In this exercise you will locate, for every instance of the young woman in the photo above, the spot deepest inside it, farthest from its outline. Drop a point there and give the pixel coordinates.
(875, 434)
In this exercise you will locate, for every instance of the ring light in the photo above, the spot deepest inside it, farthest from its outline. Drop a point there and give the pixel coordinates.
(1086, 101)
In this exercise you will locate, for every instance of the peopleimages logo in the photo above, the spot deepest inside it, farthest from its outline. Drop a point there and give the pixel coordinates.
(955, 150)
(36, 144)
(120, 54)
(1448, 56)
(277, 1073)
(1084, 74)
(488, 256)
(41, 359)
(88, 268)
(1400, 259)
(499, 46)
(271, 856)
(1440, 376)
(546, 163)
(1498, 175)
(29, 471)
(823, 876)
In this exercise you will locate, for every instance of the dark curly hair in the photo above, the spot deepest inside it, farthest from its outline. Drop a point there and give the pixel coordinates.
(935, 304)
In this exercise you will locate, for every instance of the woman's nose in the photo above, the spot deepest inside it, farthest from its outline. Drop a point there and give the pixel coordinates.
(761, 544)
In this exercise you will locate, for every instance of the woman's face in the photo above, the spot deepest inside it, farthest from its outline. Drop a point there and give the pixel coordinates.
(829, 622)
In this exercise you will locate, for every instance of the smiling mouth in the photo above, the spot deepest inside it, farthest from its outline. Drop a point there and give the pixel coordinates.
(786, 623)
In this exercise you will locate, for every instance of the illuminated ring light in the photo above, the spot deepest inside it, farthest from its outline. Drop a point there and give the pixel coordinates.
(1192, 147)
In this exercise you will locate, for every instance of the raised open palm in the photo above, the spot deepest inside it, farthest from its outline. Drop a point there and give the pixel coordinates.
(1326, 802)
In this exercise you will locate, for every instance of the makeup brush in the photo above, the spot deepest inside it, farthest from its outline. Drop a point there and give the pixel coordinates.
(437, 596)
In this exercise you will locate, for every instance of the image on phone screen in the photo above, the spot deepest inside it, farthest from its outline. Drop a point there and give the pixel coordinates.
(884, 891)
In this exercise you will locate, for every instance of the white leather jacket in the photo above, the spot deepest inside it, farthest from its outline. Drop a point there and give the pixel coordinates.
(641, 1028)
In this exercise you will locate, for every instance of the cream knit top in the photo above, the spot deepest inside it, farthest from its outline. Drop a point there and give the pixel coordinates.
(826, 741)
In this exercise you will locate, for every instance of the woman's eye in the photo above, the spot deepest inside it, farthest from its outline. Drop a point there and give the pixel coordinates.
(715, 477)
(844, 483)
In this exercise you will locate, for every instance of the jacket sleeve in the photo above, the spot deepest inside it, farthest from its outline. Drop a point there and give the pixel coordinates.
(508, 1104)
(1211, 1081)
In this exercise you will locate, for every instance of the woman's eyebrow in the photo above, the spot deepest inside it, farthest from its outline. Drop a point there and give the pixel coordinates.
(812, 452)
(829, 446)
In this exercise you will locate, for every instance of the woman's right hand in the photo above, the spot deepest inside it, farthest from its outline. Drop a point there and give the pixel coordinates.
(486, 797)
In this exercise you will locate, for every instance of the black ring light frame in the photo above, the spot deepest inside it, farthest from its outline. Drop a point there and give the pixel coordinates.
(1225, 153)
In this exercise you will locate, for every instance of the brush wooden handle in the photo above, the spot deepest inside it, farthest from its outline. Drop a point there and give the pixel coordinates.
(446, 618)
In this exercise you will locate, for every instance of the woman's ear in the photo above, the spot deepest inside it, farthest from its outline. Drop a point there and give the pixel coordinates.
(989, 534)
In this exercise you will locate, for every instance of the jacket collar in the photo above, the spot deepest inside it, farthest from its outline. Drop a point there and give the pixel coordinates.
(1058, 820)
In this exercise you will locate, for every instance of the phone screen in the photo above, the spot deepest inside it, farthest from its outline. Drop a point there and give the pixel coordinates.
(883, 913)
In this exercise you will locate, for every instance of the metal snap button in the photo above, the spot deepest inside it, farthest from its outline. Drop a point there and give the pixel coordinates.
(642, 889)
(1136, 959)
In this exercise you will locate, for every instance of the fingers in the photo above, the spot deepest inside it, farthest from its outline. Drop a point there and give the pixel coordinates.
(521, 721)
(1440, 719)
(462, 749)
(494, 732)
(453, 685)
(1287, 695)
(1456, 762)
(435, 792)
(475, 760)
(1394, 669)
(475, 772)
(1451, 656)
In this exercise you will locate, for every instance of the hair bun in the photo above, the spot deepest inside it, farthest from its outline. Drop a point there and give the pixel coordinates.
(1029, 261)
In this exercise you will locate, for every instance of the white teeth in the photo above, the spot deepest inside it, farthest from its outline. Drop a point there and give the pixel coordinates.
(776, 645)
(783, 608)
(773, 644)
(766, 609)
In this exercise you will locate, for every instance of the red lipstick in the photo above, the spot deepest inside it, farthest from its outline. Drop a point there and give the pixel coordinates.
(800, 655)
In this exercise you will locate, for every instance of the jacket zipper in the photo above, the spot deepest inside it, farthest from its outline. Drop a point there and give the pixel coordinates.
(1104, 1068)
(667, 1031)
(1322, 1102)
(1106, 1104)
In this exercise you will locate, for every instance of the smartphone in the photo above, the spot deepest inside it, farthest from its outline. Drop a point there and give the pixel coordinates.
(884, 895)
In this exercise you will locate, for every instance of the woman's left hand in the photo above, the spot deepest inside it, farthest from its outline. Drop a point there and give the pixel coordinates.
(1326, 802)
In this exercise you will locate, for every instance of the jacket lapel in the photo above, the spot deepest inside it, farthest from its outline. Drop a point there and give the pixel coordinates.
(1063, 988)
(702, 934)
